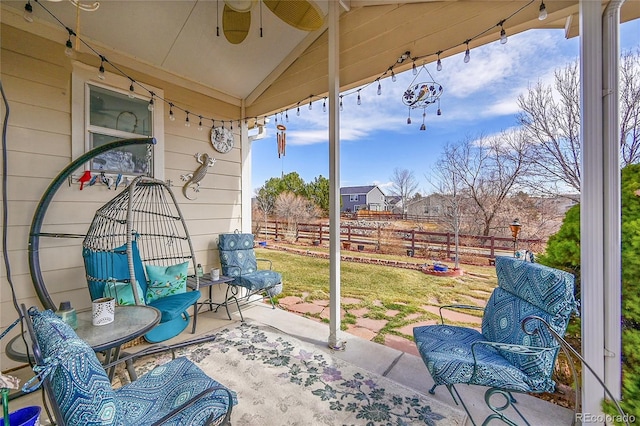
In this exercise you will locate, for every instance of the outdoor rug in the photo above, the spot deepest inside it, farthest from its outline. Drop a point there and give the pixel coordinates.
(281, 380)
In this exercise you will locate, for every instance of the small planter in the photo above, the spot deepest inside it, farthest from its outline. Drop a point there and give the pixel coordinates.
(346, 245)
(360, 247)
(410, 253)
(27, 416)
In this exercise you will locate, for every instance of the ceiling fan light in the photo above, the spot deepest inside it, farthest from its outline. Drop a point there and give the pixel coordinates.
(240, 5)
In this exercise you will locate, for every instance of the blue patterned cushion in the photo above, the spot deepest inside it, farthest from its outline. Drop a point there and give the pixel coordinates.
(547, 288)
(105, 265)
(123, 292)
(151, 396)
(237, 256)
(259, 280)
(446, 351)
(80, 384)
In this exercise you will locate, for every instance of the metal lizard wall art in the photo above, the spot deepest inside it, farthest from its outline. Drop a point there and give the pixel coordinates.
(193, 179)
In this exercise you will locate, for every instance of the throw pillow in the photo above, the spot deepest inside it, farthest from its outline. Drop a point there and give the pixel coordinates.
(166, 280)
(123, 292)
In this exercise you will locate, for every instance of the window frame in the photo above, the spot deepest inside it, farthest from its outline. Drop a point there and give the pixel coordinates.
(83, 76)
(352, 200)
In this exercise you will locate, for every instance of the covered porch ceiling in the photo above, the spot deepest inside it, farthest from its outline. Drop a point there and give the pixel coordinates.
(267, 74)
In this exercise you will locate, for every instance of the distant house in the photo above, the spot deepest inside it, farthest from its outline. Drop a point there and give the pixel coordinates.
(394, 204)
(356, 198)
(432, 206)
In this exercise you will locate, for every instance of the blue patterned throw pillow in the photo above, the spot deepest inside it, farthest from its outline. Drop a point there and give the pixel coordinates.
(123, 293)
(166, 280)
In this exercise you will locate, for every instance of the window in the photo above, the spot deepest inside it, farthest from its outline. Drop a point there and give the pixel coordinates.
(356, 208)
(353, 197)
(102, 113)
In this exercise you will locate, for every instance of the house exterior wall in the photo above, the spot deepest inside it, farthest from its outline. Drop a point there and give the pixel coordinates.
(349, 206)
(376, 199)
(36, 77)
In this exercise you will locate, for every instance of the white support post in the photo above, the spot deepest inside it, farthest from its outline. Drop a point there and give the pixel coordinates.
(334, 175)
(592, 204)
(612, 199)
(245, 162)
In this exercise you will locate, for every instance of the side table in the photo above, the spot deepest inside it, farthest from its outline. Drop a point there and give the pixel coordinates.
(206, 281)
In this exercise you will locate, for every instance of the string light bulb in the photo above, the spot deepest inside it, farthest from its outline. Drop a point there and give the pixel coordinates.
(467, 54)
(187, 123)
(150, 106)
(172, 116)
(439, 63)
(286, 115)
(379, 88)
(200, 123)
(359, 99)
(298, 110)
(341, 107)
(132, 91)
(68, 49)
(324, 104)
(28, 12)
(414, 70)
(101, 75)
(542, 15)
(503, 33)
(310, 104)
(393, 76)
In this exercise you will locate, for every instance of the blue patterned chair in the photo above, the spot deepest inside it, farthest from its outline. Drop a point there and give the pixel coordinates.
(238, 260)
(175, 393)
(514, 352)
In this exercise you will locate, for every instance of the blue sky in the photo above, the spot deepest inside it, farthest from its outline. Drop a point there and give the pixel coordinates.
(480, 97)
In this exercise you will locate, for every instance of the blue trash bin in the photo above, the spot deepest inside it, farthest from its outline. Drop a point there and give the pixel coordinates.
(27, 416)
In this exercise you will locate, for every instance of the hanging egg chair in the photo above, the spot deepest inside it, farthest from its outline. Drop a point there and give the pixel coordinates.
(138, 250)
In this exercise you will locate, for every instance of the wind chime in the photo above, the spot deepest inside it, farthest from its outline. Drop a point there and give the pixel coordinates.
(282, 140)
(421, 95)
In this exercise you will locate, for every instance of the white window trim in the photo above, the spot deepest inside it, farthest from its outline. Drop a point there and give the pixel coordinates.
(80, 137)
(357, 198)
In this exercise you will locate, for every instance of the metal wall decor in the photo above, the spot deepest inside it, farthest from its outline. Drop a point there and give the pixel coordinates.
(421, 94)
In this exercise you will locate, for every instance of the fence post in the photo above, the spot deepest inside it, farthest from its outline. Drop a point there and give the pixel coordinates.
(276, 237)
(448, 245)
(493, 255)
(320, 232)
(413, 240)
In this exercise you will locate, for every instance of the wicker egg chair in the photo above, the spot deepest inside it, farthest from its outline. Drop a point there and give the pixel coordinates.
(138, 250)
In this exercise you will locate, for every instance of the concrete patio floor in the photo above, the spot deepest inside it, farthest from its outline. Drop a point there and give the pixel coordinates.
(402, 367)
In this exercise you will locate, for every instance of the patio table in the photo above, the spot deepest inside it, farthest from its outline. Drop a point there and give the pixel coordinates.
(206, 281)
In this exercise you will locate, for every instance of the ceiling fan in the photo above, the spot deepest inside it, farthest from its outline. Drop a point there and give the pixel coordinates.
(301, 14)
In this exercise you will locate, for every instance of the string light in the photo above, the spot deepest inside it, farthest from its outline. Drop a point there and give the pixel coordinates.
(310, 105)
(28, 12)
(132, 91)
(542, 15)
(101, 75)
(200, 123)
(379, 88)
(68, 50)
(467, 54)
(187, 123)
(286, 115)
(324, 104)
(503, 33)
(172, 117)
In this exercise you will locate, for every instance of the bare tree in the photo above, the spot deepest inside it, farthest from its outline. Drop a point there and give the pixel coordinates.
(264, 203)
(446, 183)
(404, 185)
(486, 170)
(294, 209)
(551, 118)
(630, 107)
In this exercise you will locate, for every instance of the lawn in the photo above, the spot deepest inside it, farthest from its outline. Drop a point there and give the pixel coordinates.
(382, 288)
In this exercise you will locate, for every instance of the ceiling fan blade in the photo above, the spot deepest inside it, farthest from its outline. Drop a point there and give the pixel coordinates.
(235, 25)
(240, 5)
(301, 14)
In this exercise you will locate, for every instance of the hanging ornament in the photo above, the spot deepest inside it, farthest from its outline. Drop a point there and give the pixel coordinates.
(282, 140)
(421, 95)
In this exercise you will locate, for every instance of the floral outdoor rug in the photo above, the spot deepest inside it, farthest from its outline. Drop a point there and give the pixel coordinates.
(283, 381)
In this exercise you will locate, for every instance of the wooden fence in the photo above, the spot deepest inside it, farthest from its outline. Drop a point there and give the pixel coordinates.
(419, 243)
